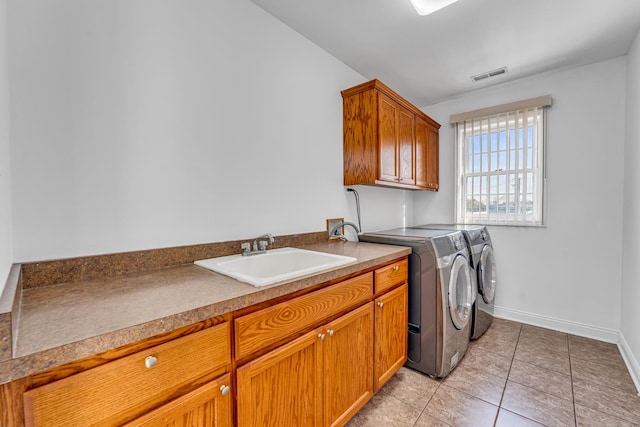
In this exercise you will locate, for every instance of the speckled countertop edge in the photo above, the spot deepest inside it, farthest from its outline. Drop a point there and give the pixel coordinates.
(30, 359)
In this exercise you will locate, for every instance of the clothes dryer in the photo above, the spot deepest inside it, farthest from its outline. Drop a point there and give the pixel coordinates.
(441, 295)
(484, 264)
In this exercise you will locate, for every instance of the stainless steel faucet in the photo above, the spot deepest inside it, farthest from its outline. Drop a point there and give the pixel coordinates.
(258, 247)
(335, 233)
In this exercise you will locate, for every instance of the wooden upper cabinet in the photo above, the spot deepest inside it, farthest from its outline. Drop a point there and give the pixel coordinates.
(427, 150)
(388, 141)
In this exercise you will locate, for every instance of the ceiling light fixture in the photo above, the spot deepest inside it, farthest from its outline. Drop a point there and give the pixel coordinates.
(425, 7)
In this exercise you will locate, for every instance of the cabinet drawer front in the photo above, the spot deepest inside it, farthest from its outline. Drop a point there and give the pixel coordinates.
(105, 394)
(391, 275)
(271, 325)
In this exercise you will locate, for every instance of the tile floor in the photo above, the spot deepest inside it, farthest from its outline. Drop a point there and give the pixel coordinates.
(514, 375)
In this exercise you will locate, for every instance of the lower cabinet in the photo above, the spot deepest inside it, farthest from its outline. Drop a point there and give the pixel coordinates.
(319, 379)
(348, 365)
(312, 360)
(209, 405)
(390, 334)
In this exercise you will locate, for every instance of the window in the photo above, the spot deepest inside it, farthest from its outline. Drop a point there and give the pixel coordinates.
(500, 164)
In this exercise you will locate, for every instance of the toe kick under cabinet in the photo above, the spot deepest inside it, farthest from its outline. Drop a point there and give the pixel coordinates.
(335, 348)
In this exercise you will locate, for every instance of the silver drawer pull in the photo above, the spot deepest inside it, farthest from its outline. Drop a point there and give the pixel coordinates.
(150, 361)
(396, 268)
(330, 332)
(380, 304)
(225, 389)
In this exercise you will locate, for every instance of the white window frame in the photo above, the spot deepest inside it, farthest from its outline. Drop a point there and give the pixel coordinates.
(500, 164)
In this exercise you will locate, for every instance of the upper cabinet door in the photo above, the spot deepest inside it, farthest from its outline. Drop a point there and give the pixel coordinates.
(406, 147)
(388, 127)
(427, 156)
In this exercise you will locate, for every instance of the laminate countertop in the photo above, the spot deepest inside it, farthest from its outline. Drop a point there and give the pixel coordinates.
(60, 323)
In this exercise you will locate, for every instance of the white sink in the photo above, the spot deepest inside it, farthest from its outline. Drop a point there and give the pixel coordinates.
(273, 266)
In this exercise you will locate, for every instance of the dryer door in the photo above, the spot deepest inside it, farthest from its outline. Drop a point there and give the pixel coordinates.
(487, 275)
(461, 292)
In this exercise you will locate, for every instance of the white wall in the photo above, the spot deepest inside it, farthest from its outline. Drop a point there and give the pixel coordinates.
(154, 123)
(568, 274)
(630, 320)
(6, 256)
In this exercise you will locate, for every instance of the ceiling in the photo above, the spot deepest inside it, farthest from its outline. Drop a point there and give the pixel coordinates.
(427, 59)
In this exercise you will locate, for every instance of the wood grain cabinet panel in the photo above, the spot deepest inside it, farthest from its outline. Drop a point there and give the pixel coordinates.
(284, 386)
(385, 140)
(406, 147)
(269, 326)
(117, 391)
(348, 365)
(320, 379)
(390, 349)
(388, 124)
(427, 155)
(391, 275)
(207, 406)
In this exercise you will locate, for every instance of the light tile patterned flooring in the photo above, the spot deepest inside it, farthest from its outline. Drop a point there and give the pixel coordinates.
(514, 375)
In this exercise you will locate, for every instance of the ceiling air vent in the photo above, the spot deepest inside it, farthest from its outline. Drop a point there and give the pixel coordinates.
(488, 74)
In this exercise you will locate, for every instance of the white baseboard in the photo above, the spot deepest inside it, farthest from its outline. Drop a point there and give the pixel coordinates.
(630, 361)
(575, 328)
(580, 329)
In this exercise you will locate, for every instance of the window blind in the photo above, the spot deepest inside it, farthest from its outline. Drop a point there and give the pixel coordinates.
(500, 164)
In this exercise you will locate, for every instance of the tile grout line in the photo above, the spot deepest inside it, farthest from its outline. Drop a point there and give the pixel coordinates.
(427, 404)
(573, 394)
(504, 389)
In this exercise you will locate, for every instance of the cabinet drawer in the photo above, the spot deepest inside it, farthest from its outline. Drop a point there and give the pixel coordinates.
(263, 328)
(111, 393)
(391, 275)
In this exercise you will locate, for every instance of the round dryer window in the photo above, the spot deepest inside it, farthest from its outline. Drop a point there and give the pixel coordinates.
(487, 276)
(461, 294)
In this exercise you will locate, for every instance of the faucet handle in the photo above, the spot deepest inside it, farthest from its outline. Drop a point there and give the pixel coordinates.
(262, 245)
(246, 247)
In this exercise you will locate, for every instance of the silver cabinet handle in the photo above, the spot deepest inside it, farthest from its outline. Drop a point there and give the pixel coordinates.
(321, 336)
(396, 268)
(150, 362)
(380, 304)
(330, 332)
(225, 389)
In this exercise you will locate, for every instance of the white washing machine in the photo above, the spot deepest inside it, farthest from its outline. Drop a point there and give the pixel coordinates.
(441, 295)
(484, 264)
